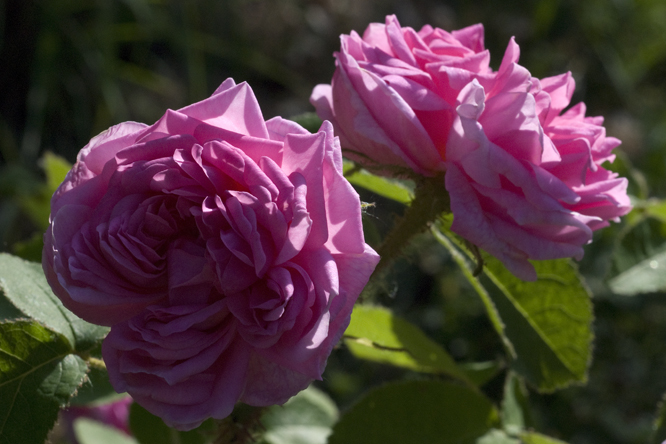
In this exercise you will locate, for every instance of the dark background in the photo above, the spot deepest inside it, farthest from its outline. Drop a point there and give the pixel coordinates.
(69, 69)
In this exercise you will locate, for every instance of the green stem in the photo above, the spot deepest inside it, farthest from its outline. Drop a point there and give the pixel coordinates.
(430, 201)
(243, 426)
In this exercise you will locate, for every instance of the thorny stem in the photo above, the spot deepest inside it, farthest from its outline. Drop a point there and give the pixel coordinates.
(430, 201)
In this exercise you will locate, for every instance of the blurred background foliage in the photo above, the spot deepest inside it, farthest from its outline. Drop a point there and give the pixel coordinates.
(69, 69)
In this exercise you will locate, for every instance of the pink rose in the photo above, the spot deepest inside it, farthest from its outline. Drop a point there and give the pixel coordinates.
(224, 251)
(114, 414)
(524, 181)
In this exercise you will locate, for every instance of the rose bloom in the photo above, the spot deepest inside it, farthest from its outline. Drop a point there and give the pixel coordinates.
(225, 252)
(525, 180)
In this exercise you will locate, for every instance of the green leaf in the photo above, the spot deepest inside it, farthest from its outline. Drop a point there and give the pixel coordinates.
(645, 277)
(391, 189)
(37, 204)
(416, 412)
(537, 438)
(482, 372)
(376, 334)
(548, 322)
(150, 429)
(89, 431)
(24, 284)
(30, 249)
(497, 437)
(515, 409)
(96, 389)
(306, 418)
(38, 375)
(56, 168)
(653, 208)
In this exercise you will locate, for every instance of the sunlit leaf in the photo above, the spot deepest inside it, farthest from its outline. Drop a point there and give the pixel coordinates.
(537, 438)
(645, 277)
(24, 285)
(376, 334)
(497, 437)
(89, 431)
(515, 409)
(306, 418)
(416, 412)
(38, 375)
(391, 189)
(548, 322)
(56, 168)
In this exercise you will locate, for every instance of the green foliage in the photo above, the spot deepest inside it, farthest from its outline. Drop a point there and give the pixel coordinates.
(497, 437)
(547, 323)
(537, 438)
(389, 188)
(150, 429)
(309, 121)
(24, 285)
(515, 413)
(36, 204)
(56, 168)
(38, 375)
(306, 418)
(96, 389)
(376, 334)
(89, 431)
(659, 429)
(482, 372)
(416, 411)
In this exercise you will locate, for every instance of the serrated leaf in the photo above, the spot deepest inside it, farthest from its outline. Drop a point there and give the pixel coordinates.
(24, 285)
(416, 412)
(96, 389)
(306, 418)
(376, 334)
(645, 277)
(89, 431)
(548, 322)
(538, 438)
(391, 189)
(150, 429)
(38, 375)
